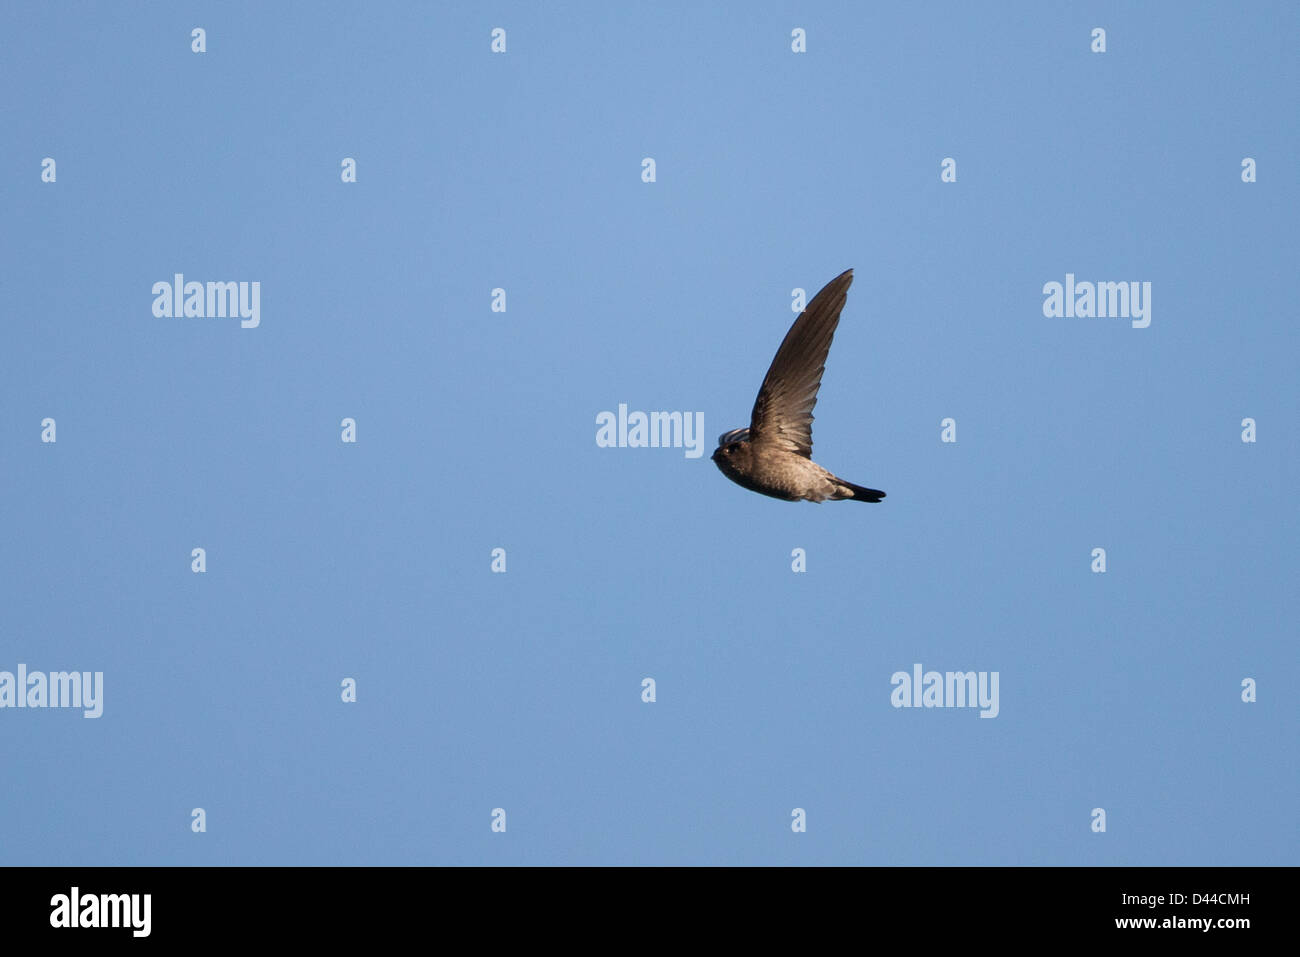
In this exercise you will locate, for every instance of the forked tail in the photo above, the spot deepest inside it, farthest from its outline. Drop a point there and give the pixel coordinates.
(859, 494)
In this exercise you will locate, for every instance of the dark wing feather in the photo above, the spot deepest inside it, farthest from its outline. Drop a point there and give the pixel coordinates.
(783, 410)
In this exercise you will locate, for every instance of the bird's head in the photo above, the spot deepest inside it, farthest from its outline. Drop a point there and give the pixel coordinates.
(729, 444)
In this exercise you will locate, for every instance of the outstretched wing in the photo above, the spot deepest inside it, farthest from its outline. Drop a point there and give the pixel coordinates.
(783, 410)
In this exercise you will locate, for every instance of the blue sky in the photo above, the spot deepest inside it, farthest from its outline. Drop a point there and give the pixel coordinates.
(476, 430)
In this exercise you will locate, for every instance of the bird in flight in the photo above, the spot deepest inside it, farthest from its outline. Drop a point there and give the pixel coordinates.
(774, 455)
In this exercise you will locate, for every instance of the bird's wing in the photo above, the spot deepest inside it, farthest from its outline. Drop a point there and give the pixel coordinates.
(783, 410)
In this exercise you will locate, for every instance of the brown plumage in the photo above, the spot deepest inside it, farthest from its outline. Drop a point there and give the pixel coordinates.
(774, 455)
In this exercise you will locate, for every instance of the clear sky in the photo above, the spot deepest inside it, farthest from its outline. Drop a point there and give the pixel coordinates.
(476, 429)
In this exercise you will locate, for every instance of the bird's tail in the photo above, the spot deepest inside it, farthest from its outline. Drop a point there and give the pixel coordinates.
(857, 492)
